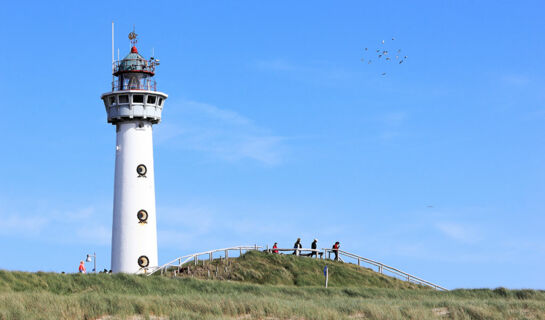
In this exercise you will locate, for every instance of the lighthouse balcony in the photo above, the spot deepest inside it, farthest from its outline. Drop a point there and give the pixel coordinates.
(134, 83)
(135, 64)
(128, 105)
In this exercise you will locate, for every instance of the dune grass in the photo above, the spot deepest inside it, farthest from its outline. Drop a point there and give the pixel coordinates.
(278, 269)
(255, 294)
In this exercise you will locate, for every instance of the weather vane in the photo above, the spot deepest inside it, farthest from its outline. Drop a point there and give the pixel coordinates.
(132, 37)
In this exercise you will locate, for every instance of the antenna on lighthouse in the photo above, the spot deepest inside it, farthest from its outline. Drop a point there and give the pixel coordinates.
(113, 68)
(112, 43)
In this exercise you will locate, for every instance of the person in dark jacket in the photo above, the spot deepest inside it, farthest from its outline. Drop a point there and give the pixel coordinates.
(335, 250)
(314, 246)
(297, 245)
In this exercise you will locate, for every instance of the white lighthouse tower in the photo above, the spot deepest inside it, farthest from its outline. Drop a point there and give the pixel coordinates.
(133, 106)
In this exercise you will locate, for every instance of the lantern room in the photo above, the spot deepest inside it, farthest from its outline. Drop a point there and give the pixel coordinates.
(134, 72)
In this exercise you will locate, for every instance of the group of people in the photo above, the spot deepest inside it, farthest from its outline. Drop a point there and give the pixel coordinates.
(314, 246)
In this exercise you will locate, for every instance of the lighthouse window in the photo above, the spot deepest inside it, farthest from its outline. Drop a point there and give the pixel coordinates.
(151, 99)
(124, 99)
(138, 98)
(141, 170)
(160, 101)
(143, 261)
(112, 100)
(142, 216)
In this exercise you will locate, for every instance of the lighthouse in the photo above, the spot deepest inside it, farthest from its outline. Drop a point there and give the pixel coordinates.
(134, 105)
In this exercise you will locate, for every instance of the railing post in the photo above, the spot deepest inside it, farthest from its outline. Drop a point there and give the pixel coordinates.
(240, 255)
(226, 254)
(211, 257)
(196, 260)
(359, 264)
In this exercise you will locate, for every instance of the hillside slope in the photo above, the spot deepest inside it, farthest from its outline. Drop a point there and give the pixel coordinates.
(280, 269)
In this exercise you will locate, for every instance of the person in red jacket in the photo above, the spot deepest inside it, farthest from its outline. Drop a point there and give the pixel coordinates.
(335, 248)
(81, 268)
(275, 246)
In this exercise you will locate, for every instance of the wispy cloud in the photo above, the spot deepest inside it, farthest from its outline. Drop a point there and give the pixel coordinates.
(515, 80)
(394, 119)
(313, 72)
(54, 225)
(275, 65)
(98, 234)
(458, 231)
(223, 133)
(390, 125)
(22, 225)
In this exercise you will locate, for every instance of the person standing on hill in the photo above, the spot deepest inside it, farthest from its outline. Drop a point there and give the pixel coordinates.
(314, 246)
(275, 246)
(81, 268)
(335, 250)
(297, 245)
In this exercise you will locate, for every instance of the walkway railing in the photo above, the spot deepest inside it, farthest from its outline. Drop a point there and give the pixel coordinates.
(298, 251)
(381, 268)
(318, 254)
(209, 255)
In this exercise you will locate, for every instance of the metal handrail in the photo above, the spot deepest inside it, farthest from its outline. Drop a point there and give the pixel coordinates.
(296, 251)
(140, 84)
(180, 261)
(139, 65)
(195, 257)
(382, 267)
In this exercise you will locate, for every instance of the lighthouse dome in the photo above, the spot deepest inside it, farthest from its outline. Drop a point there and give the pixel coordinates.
(133, 62)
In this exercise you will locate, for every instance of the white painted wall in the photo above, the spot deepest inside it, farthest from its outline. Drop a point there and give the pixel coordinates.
(131, 239)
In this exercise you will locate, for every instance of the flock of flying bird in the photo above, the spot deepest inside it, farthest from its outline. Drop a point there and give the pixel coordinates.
(384, 55)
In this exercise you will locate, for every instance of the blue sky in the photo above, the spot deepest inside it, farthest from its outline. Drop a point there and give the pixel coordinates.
(274, 129)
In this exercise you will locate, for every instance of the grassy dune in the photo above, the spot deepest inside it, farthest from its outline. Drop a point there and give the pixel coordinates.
(277, 269)
(258, 294)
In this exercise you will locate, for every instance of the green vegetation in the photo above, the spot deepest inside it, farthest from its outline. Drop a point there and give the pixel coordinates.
(278, 269)
(268, 287)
